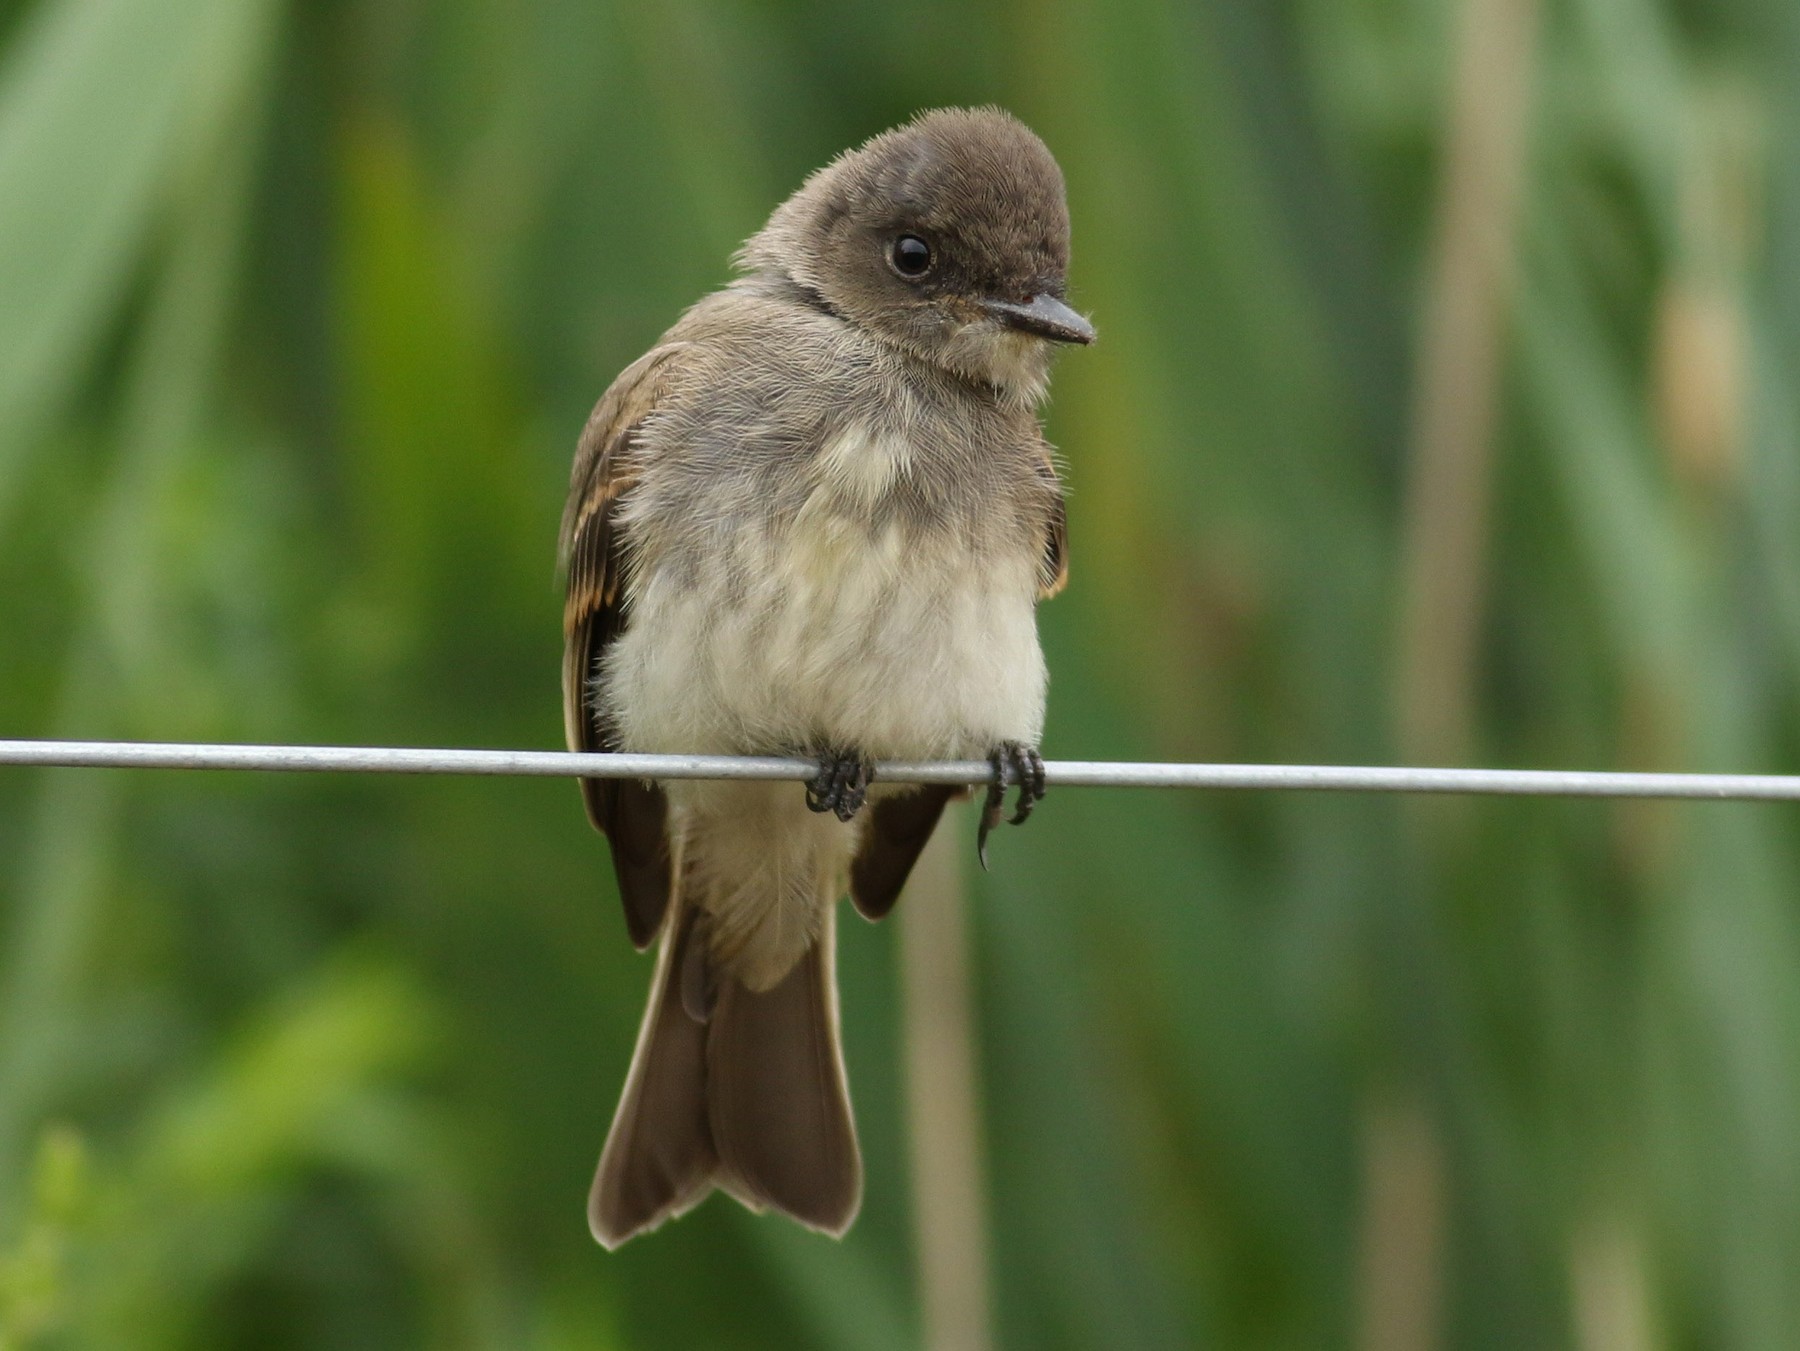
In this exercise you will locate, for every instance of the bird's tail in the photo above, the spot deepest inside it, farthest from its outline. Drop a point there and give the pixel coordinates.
(731, 1088)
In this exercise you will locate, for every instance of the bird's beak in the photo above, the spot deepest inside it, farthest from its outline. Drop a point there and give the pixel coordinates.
(1044, 316)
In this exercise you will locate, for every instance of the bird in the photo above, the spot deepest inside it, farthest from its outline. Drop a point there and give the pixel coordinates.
(815, 520)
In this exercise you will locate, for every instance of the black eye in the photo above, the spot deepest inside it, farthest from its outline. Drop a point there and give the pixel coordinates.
(912, 256)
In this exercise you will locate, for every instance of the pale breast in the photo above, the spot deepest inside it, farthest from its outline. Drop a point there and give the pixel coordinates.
(840, 624)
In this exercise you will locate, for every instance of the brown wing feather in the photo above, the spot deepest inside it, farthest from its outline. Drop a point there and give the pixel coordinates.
(632, 815)
(893, 839)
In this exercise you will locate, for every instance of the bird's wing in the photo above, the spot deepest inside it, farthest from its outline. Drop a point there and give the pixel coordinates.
(894, 835)
(631, 814)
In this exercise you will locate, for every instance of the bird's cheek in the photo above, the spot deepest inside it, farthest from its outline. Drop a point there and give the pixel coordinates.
(1018, 361)
(1013, 361)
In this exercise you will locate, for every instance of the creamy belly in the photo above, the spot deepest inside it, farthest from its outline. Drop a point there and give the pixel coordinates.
(806, 635)
(815, 633)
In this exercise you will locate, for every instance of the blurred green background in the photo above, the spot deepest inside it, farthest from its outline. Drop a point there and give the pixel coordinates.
(301, 309)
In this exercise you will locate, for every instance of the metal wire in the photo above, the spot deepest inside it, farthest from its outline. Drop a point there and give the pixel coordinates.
(1069, 773)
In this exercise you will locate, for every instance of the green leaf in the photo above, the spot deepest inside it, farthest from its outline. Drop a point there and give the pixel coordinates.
(100, 101)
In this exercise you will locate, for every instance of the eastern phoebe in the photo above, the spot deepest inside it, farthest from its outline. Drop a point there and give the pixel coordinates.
(815, 519)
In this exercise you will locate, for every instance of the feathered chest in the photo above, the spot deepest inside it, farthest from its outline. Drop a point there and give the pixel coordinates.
(869, 602)
(877, 518)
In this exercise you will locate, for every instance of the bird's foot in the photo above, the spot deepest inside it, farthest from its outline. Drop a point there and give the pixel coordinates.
(842, 783)
(1017, 763)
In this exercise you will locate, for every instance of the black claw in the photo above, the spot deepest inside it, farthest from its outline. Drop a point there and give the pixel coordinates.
(1013, 763)
(990, 814)
(842, 784)
(1029, 767)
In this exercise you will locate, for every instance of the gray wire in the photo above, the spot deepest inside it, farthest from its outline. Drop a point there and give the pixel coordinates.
(1069, 773)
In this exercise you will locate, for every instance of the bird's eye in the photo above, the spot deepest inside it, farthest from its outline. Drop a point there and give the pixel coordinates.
(911, 256)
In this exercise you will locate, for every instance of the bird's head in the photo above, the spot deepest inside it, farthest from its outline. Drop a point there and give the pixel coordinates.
(948, 237)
